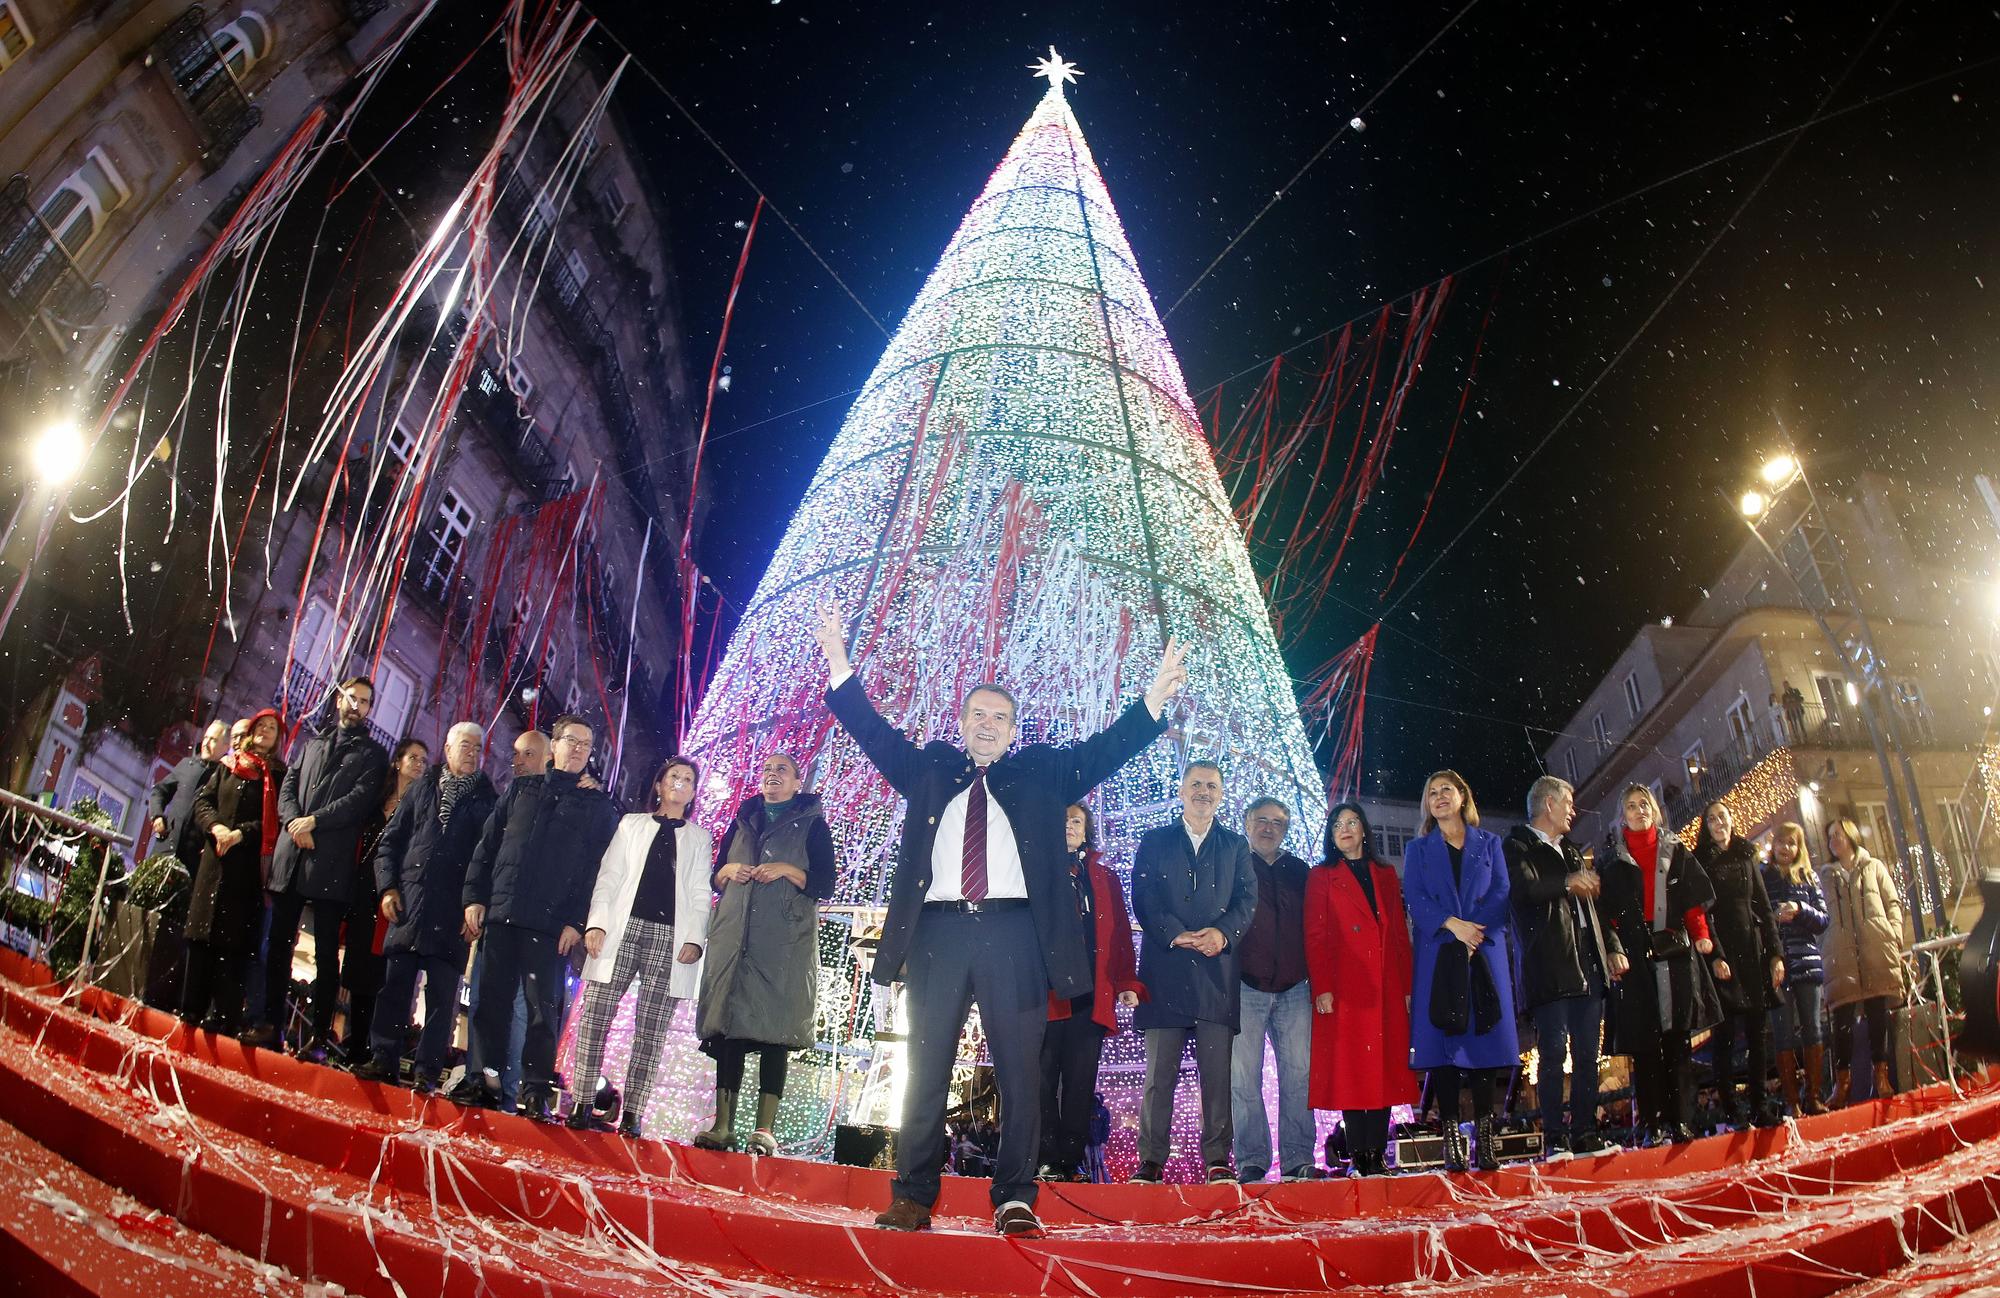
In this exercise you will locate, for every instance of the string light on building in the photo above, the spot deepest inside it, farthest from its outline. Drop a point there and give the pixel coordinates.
(1764, 794)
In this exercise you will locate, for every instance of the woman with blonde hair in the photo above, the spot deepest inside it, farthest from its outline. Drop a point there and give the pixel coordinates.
(1655, 898)
(1462, 1000)
(1864, 954)
(1796, 1020)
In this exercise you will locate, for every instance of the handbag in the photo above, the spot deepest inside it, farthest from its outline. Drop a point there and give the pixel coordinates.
(1668, 943)
(1462, 992)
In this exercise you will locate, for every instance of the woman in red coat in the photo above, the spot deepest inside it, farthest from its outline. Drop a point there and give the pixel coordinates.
(1077, 1026)
(1358, 964)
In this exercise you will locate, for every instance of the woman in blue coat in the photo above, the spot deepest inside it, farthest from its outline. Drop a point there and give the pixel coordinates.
(1455, 884)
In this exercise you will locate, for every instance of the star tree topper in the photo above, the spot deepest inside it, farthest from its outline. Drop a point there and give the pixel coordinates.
(1056, 69)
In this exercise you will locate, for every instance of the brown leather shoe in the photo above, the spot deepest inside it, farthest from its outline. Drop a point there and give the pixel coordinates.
(1017, 1220)
(906, 1214)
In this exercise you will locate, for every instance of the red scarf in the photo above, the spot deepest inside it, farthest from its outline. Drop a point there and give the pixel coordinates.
(1645, 850)
(249, 766)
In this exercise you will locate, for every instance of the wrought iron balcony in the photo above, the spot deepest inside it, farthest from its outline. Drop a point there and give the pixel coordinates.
(307, 694)
(188, 56)
(37, 273)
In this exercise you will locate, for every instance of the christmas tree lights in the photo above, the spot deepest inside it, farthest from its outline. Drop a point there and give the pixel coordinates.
(1020, 493)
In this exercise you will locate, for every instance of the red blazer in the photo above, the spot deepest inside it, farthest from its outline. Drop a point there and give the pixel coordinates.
(1117, 966)
(1360, 1051)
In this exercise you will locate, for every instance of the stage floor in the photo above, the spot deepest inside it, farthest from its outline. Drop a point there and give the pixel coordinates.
(137, 1157)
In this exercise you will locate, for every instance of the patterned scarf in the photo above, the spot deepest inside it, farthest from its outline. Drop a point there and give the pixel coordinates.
(450, 789)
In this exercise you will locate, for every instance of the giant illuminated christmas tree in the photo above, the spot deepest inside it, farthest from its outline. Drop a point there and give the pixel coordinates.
(1021, 493)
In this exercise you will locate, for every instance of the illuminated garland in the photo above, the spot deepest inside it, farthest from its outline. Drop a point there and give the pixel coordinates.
(1766, 791)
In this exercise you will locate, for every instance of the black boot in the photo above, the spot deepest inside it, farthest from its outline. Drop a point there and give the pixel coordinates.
(1487, 1155)
(1454, 1146)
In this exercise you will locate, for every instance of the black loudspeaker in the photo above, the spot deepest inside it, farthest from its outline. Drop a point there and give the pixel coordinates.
(864, 1146)
(1979, 977)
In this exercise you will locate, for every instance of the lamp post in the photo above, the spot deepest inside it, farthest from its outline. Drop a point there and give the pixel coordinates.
(1779, 474)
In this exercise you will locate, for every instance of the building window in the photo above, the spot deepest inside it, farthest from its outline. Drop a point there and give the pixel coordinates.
(245, 43)
(436, 556)
(76, 211)
(1695, 759)
(1570, 767)
(519, 382)
(1601, 732)
(1634, 702)
(193, 60)
(571, 276)
(395, 699)
(1743, 726)
(613, 197)
(402, 443)
(15, 38)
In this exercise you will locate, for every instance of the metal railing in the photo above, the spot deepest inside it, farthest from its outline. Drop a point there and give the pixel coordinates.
(306, 693)
(36, 272)
(61, 821)
(188, 56)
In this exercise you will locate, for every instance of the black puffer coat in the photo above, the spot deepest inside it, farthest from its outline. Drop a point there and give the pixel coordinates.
(425, 860)
(538, 853)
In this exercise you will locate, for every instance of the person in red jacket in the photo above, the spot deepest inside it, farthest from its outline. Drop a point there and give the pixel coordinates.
(1358, 964)
(1078, 1025)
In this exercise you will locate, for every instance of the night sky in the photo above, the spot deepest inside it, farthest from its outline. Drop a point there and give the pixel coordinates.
(1852, 303)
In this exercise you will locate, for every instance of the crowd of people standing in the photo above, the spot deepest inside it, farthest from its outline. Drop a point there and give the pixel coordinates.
(1372, 988)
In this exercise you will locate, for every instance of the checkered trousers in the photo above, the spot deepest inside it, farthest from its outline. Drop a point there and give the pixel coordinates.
(645, 955)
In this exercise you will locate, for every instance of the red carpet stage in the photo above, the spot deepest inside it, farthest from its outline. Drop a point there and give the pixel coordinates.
(141, 1158)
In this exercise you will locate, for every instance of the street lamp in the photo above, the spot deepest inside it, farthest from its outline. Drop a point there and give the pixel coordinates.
(1778, 473)
(57, 453)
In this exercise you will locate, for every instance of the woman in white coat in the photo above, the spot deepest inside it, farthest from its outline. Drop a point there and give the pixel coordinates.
(648, 924)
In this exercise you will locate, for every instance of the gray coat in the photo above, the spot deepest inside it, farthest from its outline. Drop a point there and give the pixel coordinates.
(761, 980)
(1175, 891)
(337, 779)
(172, 800)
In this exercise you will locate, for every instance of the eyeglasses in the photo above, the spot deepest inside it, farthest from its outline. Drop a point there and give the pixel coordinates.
(1347, 822)
(575, 742)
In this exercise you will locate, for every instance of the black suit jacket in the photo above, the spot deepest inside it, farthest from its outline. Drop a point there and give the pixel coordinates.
(1033, 785)
(1176, 891)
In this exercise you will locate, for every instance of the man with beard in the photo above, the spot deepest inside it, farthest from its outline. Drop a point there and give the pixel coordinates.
(326, 798)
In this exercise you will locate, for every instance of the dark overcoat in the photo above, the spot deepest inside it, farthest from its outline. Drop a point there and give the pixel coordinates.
(337, 780)
(172, 800)
(226, 897)
(424, 859)
(1033, 785)
(1644, 1005)
(1740, 920)
(1177, 890)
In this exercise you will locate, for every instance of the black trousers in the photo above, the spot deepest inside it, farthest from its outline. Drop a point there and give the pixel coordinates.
(993, 960)
(1213, 1046)
(214, 981)
(287, 910)
(523, 962)
(773, 1062)
(1447, 1081)
(1878, 1010)
(1757, 1059)
(1661, 1096)
(399, 992)
(1071, 1048)
(1367, 1131)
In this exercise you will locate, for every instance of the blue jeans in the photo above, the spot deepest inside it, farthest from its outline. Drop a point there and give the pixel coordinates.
(1569, 1026)
(1798, 1022)
(1286, 1018)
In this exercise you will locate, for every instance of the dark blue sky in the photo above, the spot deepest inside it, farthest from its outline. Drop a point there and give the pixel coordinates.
(1853, 300)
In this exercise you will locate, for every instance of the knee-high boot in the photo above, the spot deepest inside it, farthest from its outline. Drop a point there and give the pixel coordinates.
(1788, 1079)
(1815, 1064)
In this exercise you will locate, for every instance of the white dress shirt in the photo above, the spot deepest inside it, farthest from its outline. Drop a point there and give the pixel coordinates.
(1576, 906)
(1004, 876)
(1196, 839)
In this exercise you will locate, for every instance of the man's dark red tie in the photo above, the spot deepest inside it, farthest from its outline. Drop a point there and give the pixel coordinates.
(972, 871)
